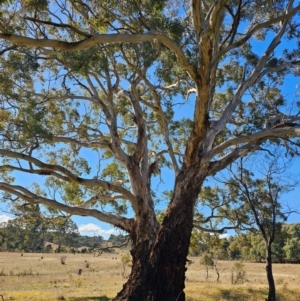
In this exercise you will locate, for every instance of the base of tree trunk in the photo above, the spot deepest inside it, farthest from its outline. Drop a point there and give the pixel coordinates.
(158, 273)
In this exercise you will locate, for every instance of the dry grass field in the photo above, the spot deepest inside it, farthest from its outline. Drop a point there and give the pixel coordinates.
(30, 277)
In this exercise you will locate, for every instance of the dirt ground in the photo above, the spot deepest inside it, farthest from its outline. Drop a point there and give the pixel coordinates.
(41, 277)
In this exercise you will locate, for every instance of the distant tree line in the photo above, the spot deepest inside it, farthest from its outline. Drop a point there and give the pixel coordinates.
(32, 230)
(16, 236)
(249, 246)
(118, 240)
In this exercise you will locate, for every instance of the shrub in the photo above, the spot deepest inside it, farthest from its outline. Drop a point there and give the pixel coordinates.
(207, 261)
(48, 249)
(78, 282)
(25, 272)
(126, 261)
(238, 274)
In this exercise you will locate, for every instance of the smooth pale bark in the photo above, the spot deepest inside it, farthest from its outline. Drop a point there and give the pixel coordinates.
(105, 39)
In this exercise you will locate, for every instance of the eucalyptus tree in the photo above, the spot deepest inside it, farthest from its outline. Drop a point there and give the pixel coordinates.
(41, 225)
(291, 246)
(100, 97)
(29, 220)
(257, 202)
(65, 232)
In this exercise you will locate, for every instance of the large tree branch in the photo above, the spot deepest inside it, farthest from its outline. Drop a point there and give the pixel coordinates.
(257, 27)
(251, 145)
(256, 75)
(140, 151)
(203, 83)
(132, 162)
(138, 161)
(111, 120)
(156, 108)
(197, 16)
(97, 197)
(282, 66)
(229, 158)
(23, 193)
(104, 39)
(59, 171)
(95, 141)
(255, 137)
(41, 171)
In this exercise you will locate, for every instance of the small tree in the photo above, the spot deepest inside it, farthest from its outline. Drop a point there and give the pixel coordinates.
(246, 201)
(210, 260)
(217, 255)
(207, 261)
(30, 218)
(260, 206)
(65, 231)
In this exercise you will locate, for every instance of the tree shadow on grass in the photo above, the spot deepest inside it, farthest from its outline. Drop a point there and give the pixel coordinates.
(242, 295)
(227, 294)
(100, 298)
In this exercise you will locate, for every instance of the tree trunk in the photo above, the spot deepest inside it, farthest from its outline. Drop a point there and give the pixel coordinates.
(217, 271)
(206, 272)
(271, 282)
(158, 270)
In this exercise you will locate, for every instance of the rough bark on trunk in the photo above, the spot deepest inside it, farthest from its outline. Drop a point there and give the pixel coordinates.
(158, 270)
(271, 282)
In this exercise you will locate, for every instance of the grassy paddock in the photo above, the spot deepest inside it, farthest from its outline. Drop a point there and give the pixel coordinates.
(30, 277)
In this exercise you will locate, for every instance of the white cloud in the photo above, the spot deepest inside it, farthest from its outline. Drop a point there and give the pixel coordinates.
(225, 235)
(92, 229)
(4, 218)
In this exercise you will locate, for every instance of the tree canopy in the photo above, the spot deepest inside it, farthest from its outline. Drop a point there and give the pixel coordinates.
(100, 97)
